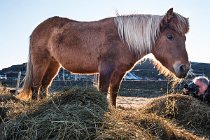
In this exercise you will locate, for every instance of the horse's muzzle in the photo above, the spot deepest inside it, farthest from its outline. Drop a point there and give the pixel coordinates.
(181, 70)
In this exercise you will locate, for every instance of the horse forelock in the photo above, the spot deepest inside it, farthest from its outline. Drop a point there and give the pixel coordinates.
(181, 24)
(139, 31)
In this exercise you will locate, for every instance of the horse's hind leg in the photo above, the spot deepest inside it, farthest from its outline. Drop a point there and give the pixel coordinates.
(38, 73)
(40, 61)
(50, 73)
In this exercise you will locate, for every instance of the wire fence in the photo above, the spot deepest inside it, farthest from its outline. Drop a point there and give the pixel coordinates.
(132, 88)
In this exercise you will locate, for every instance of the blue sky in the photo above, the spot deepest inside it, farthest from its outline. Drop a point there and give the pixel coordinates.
(19, 18)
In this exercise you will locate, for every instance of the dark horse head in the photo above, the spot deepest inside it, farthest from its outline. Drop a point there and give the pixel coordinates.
(170, 48)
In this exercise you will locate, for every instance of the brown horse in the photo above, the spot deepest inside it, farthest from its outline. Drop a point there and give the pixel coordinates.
(110, 47)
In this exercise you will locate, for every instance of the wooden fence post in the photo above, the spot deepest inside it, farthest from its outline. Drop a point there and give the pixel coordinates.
(18, 83)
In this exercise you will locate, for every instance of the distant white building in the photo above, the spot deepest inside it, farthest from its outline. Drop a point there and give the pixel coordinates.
(3, 77)
(131, 76)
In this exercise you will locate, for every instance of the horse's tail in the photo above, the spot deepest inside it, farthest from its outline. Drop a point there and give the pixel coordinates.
(26, 92)
(29, 71)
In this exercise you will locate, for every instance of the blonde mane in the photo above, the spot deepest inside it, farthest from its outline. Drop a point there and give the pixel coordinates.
(141, 31)
(138, 31)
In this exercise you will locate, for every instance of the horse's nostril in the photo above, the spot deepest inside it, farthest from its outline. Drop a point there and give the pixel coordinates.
(182, 68)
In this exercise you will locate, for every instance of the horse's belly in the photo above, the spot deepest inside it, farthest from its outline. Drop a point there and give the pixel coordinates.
(81, 69)
(78, 65)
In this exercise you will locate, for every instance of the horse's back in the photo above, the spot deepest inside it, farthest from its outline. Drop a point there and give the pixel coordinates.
(45, 28)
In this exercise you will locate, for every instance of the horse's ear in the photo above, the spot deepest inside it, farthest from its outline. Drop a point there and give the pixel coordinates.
(166, 19)
(169, 15)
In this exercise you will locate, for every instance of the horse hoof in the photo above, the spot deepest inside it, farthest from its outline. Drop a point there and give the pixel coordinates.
(23, 96)
(44, 95)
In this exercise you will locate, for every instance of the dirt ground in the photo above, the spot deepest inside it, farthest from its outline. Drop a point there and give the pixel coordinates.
(132, 102)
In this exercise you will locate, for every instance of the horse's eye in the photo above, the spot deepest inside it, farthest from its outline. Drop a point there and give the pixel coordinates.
(170, 37)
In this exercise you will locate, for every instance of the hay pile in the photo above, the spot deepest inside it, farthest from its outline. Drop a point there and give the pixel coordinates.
(130, 124)
(185, 110)
(74, 114)
(10, 107)
(84, 114)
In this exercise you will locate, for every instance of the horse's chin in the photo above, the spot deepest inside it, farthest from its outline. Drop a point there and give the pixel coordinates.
(181, 75)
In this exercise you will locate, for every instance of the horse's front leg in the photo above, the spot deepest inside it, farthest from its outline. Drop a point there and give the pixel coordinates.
(36, 92)
(105, 73)
(114, 86)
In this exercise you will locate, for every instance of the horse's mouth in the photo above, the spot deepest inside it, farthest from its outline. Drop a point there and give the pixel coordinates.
(181, 75)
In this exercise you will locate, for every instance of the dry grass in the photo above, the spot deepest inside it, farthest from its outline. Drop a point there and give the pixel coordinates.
(84, 114)
(74, 114)
(184, 110)
(131, 124)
